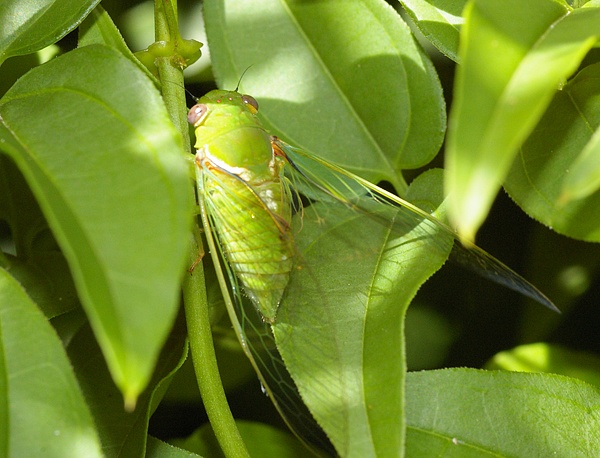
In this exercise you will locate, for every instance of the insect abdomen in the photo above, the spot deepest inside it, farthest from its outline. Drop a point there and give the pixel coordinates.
(253, 227)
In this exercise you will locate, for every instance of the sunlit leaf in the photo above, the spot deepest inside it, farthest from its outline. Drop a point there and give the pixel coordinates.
(545, 159)
(43, 409)
(105, 165)
(541, 357)
(30, 26)
(383, 86)
(471, 413)
(439, 21)
(514, 56)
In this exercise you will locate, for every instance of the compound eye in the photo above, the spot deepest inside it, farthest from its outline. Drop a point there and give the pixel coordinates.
(251, 103)
(197, 114)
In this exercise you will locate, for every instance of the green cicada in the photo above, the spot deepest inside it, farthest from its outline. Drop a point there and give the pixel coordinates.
(308, 246)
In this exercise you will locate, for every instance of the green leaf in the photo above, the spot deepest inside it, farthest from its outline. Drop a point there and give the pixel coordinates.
(19, 209)
(439, 21)
(514, 56)
(43, 410)
(542, 357)
(375, 108)
(159, 449)
(536, 178)
(105, 165)
(36, 262)
(336, 333)
(30, 26)
(262, 441)
(98, 28)
(122, 433)
(471, 413)
(584, 178)
(47, 279)
(16, 67)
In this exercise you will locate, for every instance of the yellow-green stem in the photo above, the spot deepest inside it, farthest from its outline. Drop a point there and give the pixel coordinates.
(205, 364)
(194, 288)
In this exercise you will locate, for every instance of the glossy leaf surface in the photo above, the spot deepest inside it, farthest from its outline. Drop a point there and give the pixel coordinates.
(384, 87)
(471, 413)
(528, 49)
(566, 130)
(103, 159)
(439, 21)
(30, 26)
(40, 394)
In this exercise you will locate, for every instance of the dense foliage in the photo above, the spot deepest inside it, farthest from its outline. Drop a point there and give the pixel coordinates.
(98, 226)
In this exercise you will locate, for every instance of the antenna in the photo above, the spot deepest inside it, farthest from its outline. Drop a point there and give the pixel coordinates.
(240, 80)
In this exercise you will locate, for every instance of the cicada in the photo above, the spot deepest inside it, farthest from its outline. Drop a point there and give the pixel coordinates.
(302, 246)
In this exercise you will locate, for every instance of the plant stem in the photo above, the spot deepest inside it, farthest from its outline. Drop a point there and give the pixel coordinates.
(171, 76)
(205, 365)
(194, 287)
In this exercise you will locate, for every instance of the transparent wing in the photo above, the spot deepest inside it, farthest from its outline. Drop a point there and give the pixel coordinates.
(364, 196)
(361, 254)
